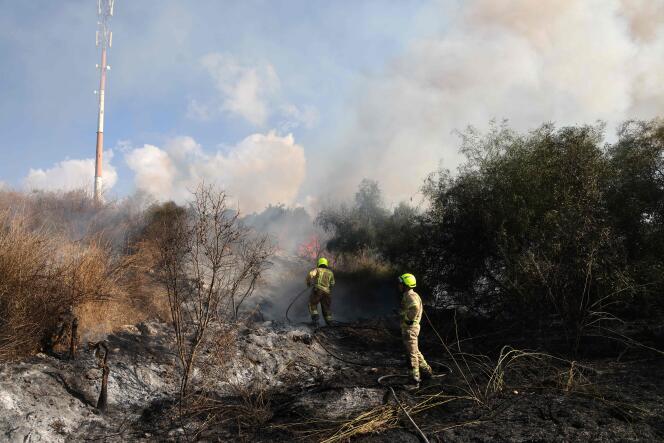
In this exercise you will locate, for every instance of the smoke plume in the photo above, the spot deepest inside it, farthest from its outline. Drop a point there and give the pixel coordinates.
(245, 90)
(68, 175)
(261, 169)
(569, 62)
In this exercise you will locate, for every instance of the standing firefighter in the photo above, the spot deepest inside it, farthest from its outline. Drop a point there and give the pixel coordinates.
(321, 279)
(411, 314)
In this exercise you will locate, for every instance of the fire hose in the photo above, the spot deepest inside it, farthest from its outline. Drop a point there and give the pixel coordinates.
(381, 380)
(336, 323)
(394, 394)
(337, 357)
(293, 302)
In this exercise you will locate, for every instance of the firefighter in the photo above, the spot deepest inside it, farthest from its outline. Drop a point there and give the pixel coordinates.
(321, 280)
(411, 314)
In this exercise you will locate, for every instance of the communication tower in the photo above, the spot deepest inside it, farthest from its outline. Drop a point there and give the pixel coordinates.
(104, 40)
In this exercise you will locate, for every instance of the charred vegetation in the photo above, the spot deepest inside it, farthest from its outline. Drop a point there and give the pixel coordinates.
(539, 263)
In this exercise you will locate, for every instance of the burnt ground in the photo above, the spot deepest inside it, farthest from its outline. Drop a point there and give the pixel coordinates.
(536, 398)
(286, 383)
(539, 398)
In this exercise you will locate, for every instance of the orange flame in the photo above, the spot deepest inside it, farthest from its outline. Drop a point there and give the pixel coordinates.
(310, 249)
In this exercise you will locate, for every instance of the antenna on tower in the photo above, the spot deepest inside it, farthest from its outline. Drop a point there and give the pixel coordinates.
(104, 40)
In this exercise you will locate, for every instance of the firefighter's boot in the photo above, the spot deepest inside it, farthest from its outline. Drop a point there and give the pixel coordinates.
(414, 380)
(415, 375)
(314, 320)
(426, 372)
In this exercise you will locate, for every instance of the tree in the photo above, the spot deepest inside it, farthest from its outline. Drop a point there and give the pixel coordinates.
(209, 265)
(635, 200)
(538, 227)
(355, 229)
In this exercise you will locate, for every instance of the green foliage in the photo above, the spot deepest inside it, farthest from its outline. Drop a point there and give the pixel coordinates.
(399, 236)
(549, 224)
(635, 199)
(355, 228)
(553, 225)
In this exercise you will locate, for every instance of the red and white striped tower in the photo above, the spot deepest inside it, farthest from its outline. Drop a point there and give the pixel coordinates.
(104, 41)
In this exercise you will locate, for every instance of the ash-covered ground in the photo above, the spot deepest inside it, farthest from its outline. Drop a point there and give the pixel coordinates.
(282, 382)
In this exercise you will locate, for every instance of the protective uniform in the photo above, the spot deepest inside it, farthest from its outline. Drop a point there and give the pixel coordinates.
(411, 314)
(321, 280)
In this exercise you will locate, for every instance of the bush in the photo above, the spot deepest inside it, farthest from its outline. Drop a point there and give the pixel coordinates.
(61, 255)
(539, 227)
(552, 227)
(42, 276)
(366, 235)
(635, 200)
(355, 228)
(209, 265)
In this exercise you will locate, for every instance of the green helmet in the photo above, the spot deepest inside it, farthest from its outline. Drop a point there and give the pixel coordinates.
(322, 262)
(408, 280)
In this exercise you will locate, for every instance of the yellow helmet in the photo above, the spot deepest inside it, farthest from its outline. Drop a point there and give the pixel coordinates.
(322, 262)
(408, 280)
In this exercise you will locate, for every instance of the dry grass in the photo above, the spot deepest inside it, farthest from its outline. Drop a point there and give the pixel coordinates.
(362, 264)
(59, 255)
(43, 276)
(247, 407)
(375, 420)
(75, 216)
(58, 426)
(485, 379)
(254, 407)
(99, 317)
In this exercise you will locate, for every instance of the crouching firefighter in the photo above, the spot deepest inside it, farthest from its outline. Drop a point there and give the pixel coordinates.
(411, 314)
(321, 280)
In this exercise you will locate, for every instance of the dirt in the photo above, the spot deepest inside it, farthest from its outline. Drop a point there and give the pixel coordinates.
(287, 382)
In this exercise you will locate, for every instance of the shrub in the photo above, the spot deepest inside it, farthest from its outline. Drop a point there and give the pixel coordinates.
(209, 265)
(551, 227)
(355, 228)
(61, 254)
(539, 227)
(42, 276)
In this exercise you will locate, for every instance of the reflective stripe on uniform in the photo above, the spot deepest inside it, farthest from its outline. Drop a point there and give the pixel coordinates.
(324, 278)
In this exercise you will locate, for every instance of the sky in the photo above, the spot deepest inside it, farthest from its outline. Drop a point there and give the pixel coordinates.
(296, 101)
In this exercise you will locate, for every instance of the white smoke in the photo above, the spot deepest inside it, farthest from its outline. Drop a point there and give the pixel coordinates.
(645, 18)
(244, 89)
(294, 116)
(68, 175)
(154, 170)
(251, 91)
(261, 169)
(569, 62)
